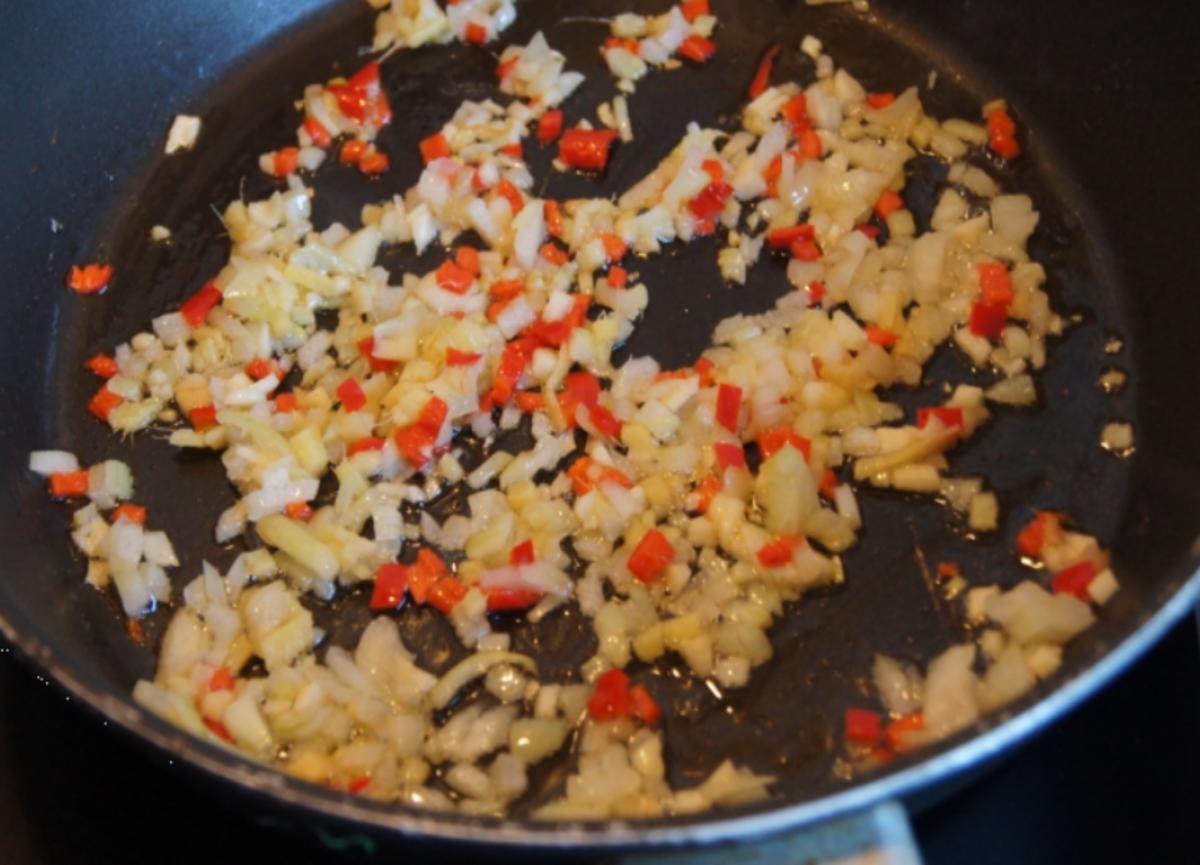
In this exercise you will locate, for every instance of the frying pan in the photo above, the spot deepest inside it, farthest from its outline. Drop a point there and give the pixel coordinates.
(88, 93)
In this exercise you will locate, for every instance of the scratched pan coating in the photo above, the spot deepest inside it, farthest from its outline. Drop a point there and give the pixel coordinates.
(787, 722)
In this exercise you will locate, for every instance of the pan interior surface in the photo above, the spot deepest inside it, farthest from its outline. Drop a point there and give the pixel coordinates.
(787, 722)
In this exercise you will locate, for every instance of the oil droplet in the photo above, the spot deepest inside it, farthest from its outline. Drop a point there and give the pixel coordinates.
(1112, 380)
(1113, 344)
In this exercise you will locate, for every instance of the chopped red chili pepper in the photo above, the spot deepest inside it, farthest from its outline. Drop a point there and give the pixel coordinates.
(130, 513)
(103, 403)
(102, 365)
(586, 148)
(1074, 580)
(351, 395)
(317, 132)
(772, 439)
(300, 511)
(881, 336)
(1044, 528)
(783, 238)
(366, 348)
(221, 680)
(476, 34)
(610, 698)
(778, 552)
(651, 556)
(863, 727)
(698, 49)
(729, 406)
(988, 320)
(550, 126)
(729, 455)
(196, 308)
(90, 278)
(644, 708)
(352, 151)
(511, 194)
(522, 553)
(995, 284)
(391, 582)
(762, 75)
(453, 278)
(880, 100)
(889, 202)
(949, 416)
(502, 600)
(1002, 134)
(204, 417)
(434, 147)
(454, 357)
(364, 444)
(65, 485)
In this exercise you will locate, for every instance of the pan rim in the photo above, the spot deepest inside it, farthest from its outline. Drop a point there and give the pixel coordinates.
(976, 751)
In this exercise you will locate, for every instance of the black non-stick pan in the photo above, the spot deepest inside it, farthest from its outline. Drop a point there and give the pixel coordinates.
(88, 90)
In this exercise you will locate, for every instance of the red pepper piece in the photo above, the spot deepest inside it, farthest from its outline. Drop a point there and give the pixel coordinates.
(1074, 580)
(221, 680)
(352, 151)
(729, 406)
(729, 455)
(863, 727)
(103, 403)
(501, 600)
(778, 552)
(317, 132)
(889, 202)
(350, 394)
(1044, 528)
(698, 49)
(988, 321)
(64, 485)
(204, 417)
(391, 582)
(550, 126)
(454, 357)
(476, 34)
(610, 698)
(644, 708)
(881, 336)
(130, 513)
(995, 284)
(102, 365)
(515, 199)
(651, 556)
(783, 238)
(445, 594)
(196, 308)
(950, 416)
(90, 279)
(762, 75)
(434, 147)
(586, 148)
(364, 444)
(453, 278)
(772, 439)
(300, 511)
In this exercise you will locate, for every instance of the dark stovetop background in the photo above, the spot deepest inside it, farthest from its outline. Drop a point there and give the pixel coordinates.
(1116, 782)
